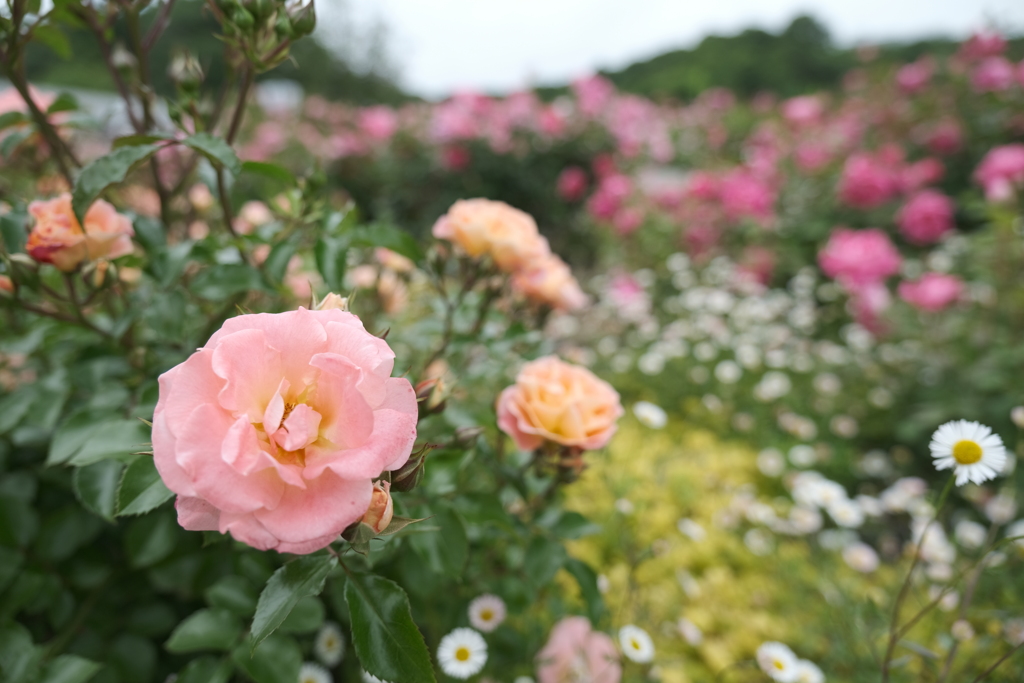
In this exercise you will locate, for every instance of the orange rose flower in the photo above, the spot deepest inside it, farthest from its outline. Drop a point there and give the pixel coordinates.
(484, 227)
(58, 237)
(556, 401)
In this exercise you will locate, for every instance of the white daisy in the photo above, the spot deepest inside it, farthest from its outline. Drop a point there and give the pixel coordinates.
(312, 672)
(861, 557)
(486, 612)
(462, 653)
(808, 672)
(650, 415)
(636, 644)
(329, 645)
(778, 661)
(846, 513)
(971, 449)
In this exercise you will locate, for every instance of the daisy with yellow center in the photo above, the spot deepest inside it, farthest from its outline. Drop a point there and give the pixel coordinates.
(778, 661)
(636, 644)
(462, 653)
(314, 673)
(329, 645)
(487, 612)
(970, 449)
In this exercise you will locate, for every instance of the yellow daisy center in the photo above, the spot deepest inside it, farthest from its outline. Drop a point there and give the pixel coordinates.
(486, 614)
(778, 664)
(966, 452)
(633, 643)
(462, 654)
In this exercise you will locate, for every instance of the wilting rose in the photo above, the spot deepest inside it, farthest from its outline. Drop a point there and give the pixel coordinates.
(378, 516)
(58, 238)
(484, 227)
(926, 217)
(556, 401)
(933, 292)
(275, 430)
(575, 652)
(859, 256)
(549, 281)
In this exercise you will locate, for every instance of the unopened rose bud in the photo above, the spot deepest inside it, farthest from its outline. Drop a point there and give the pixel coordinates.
(6, 285)
(333, 302)
(122, 59)
(381, 509)
(467, 435)
(431, 395)
(1017, 415)
(185, 71)
(409, 475)
(242, 19)
(303, 18)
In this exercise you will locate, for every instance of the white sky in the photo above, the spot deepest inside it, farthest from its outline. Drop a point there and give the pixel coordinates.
(497, 45)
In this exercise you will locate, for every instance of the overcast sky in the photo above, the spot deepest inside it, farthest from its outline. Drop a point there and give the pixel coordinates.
(497, 45)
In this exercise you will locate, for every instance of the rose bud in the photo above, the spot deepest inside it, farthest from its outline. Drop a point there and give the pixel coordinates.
(6, 285)
(409, 476)
(332, 302)
(431, 395)
(381, 509)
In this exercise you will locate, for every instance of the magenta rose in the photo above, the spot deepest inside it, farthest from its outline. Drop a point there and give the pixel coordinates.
(275, 430)
(1001, 172)
(933, 292)
(857, 257)
(926, 217)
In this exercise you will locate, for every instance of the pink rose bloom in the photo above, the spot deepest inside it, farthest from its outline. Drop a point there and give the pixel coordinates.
(1001, 172)
(1020, 73)
(803, 111)
(557, 401)
(703, 185)
(572, 183)
(995, 74)
(914, 77)
(58, 238)
(921, 173)
(983, 44)
(859, 256)
(933, 292)
(746, 196)
(624, 291)
(612, 191)
(379, 123)
(926, 217)
(574, 652)
(548, 280)
(627, 220)
(455, 157)
(945, 137)
(867, 181)
(868, 301)
(275, 430)
(812, 156)
(593, 93)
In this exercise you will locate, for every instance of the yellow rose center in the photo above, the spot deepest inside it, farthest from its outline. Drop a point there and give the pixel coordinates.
(486, 615)
(966, 452)
(462, 654)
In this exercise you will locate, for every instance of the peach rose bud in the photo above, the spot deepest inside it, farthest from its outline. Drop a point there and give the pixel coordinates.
(382, 508)
(431, 395)
(333, 302)
(6, 284)
(59, 238)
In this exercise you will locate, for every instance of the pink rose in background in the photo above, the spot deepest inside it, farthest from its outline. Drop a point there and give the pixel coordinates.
(745, 195)
(624, 291)
(593, 93)
(995, 74)
(987, 43)
(379, 122)
(627, 220)
(1020, 73)
(703, 185)
(1001, 172)
(945, 137)
(803, 111)
(812, 156)
(921, 173)
(275, 429)
(612, 191)
(549, 281)
(914, 77)
(58, 238)
(758, 263)
(550, 122)
(868, 301)
(572, 183)
(557, 401)
(933, 292)
(868, 181)
(856, 257)
(926, 217)
(575, 652)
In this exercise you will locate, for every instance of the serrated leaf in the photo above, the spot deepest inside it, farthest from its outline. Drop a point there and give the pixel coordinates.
(298, 579)
(141, 489)
(216, 149)
(106, 171)
(207, 629)
(267, 170)
(112, 439)
(96, 487)
(399, 523)
(277, 660)
(68, 669)
(385, 637)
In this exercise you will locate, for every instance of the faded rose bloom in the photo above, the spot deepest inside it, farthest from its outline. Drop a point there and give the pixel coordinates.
(575, 652)
(252, 215)
(484, 227)
(382, 509)
(933, 292)
(926, 217)
(58, 238)
(556, 401)
(859, 256)
(275, 430)
(1001, 172)
(393, 260)
(549, 281)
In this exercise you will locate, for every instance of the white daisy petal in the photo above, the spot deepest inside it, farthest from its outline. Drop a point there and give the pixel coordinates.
(636, 644)
(462, 653)
(486, 612)
(970, 449)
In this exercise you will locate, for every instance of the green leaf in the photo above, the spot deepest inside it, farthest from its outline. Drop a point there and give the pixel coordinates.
(385, 637)
(64, 102)
(331, 258)
(277, 261)
(207, 629)
(220, 282)
(106, 171)
(299, 578)
(96, 487)
(12, 230)
(272, 171)
(544, 558)
(19, 658)
(15, 406)
(444, 551)
(141, 488)
(68, 669)
(13, 118)
(234, 594)
(19, 522)
(388, 236)
(150, 539)
(277, 660)
(587, 580)
(216, 149)
(136, 140)
(205, 670)
(572, 525)
(306, 617)
(11, 141)
(111, 439)
(64, 531)
(53, 38)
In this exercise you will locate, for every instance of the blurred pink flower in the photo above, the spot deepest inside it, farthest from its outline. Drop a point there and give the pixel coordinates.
(593, 93)
(868, 180)
(1001, 172)
(944, 137)
(995, 74)
(758, 263)
(933, 292)
(574, 652)
(812, 156)
(611, 192)
(803, 111)
(547, 280)
(868, 301)
(746, 196)
(550, 122)
(921, 173)
(627, 220)
(986, 43)
(926, 217)
(572, 183)
(455, 157)
(379, 123)
(703, 185)
(625, 291)
(914, 77)
(858, 257)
